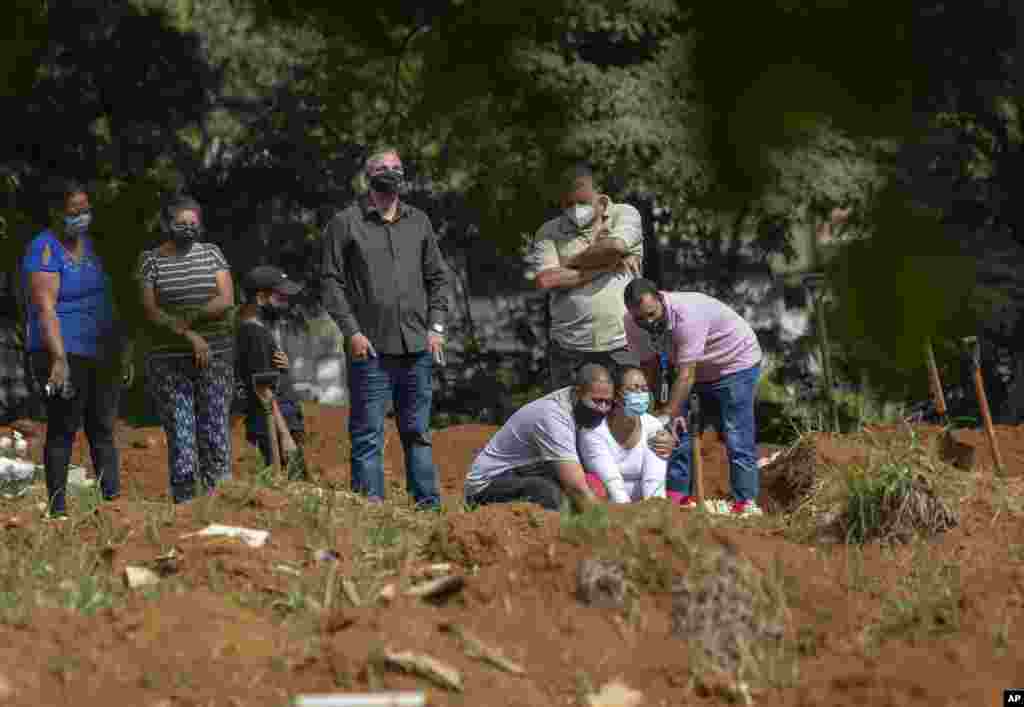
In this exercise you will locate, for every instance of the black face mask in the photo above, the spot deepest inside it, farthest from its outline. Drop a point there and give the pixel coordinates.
(655, 328)
(271, 312)
(587, 416)
(387, 182)
(184, 235)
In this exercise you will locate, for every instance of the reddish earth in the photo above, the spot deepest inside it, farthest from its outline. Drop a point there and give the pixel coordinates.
(209, 638)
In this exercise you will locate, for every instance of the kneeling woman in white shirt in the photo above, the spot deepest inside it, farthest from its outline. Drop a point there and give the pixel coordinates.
(616, 452)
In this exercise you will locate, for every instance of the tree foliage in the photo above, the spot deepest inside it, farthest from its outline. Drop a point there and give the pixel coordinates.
(736, 129)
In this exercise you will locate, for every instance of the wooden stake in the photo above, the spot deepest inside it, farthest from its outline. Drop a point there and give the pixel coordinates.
(974, 349)
(938, 397)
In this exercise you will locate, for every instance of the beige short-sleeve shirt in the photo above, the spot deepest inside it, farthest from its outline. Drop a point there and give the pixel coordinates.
(589, 317)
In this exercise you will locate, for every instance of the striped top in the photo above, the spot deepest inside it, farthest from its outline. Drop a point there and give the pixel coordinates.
(183, 284)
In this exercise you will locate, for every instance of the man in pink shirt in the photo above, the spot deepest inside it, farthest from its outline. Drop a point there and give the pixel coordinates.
(715, 353)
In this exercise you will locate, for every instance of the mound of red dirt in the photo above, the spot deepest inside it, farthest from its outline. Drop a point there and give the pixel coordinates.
(205, 640)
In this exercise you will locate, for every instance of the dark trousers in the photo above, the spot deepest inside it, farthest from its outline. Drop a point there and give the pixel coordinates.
(97, 391)
(563, 363)
(535, 484)
(406, 382)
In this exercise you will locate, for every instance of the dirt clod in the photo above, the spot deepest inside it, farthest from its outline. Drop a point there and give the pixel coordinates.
(601, 583)
(723, 614)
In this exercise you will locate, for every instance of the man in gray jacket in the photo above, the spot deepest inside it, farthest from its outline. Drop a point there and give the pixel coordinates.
(384, 280)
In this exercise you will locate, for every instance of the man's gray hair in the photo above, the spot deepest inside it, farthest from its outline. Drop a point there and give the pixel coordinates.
(591, 373)
(379, 152)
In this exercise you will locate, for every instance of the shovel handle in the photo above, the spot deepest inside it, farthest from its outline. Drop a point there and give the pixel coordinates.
(275, 447)
(974, 349)
(696, 426)
(938, 397)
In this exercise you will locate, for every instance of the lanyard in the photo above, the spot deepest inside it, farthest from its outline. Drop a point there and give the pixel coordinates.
(663, 377)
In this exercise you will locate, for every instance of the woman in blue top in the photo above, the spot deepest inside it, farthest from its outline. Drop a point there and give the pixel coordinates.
(74, 345)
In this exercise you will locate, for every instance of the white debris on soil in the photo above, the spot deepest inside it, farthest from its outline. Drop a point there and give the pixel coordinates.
(16, 475)
(252, 538)
(436, 587)
(723, 507)
(765, 461)
(426, 667)
(616, 694)
(138, 577)
(378, 699)
(77, 477)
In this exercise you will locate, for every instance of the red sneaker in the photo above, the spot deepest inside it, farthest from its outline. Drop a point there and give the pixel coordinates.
(745, 508)
(687, 502)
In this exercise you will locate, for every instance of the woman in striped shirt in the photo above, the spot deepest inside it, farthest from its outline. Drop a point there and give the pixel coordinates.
(188, 297)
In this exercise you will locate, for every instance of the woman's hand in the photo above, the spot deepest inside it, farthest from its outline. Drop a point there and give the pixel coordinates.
(662, 443)
(58, 374)
(200, 349)
(281, 360)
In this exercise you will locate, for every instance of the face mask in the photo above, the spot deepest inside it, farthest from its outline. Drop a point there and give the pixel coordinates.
(636, 404)
(582, 215)
(185, 234)
(587, 415)
(75, 226)
(271, 312)
(388, 181)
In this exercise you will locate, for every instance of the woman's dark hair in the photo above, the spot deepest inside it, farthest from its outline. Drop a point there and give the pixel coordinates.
(64, 190)
(72, 187)
(620, 373)
(174, 204)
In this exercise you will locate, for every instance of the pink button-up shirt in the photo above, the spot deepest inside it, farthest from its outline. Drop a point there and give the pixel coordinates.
(701, 330)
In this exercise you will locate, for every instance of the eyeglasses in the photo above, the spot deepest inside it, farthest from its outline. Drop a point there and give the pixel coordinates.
(600, 403)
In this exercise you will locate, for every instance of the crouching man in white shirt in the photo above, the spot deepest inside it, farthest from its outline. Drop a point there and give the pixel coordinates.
(534, 456)
(617, 457)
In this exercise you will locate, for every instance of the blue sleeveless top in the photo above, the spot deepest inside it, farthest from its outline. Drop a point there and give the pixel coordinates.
(84, 301)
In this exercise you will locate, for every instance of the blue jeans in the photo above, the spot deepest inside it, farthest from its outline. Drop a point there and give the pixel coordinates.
(735, 395)
(406, 379)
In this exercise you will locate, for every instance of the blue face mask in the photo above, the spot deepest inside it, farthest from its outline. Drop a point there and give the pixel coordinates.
(78, 224)
(636, 404)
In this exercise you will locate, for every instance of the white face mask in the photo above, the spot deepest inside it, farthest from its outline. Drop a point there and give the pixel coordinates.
(580, 214)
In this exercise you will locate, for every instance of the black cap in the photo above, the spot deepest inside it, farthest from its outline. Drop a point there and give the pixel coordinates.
(267, 277)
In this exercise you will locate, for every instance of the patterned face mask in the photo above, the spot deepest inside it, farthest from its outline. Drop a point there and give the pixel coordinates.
(78, 224)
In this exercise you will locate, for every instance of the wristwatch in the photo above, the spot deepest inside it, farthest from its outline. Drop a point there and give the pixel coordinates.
(438, 328)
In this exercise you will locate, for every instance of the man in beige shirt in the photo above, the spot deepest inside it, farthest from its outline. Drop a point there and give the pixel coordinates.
(584, 259)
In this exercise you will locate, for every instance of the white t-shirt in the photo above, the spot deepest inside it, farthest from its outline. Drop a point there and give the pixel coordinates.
(628, 474)
(541, 431)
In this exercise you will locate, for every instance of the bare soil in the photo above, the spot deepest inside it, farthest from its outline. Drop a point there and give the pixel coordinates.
(236, 625)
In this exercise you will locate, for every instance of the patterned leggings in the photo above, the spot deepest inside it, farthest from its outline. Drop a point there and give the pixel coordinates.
(194, 406)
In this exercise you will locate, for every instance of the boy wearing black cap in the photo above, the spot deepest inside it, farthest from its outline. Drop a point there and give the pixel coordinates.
(259, 353)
